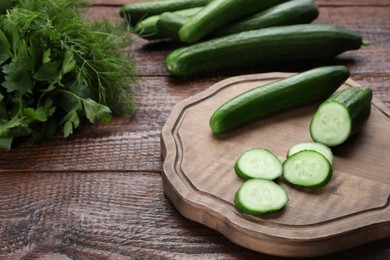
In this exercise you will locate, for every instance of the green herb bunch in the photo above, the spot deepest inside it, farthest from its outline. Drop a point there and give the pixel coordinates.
(57, 70)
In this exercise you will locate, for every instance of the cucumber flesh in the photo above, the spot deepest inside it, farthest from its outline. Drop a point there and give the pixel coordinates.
(258, 163)
(308, 169)
(258, 196)
(318, 147)
(331, 124)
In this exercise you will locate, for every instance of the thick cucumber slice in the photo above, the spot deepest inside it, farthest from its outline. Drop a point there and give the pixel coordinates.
(318, 147)
(258, 163)
(308, 169)
(342, 115)
(259, 196)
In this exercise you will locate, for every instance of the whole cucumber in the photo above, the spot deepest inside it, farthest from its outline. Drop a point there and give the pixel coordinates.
(136, 11)
(275, 45)
(301, 89)
(289, 13)
(219, 13)
(148, 28)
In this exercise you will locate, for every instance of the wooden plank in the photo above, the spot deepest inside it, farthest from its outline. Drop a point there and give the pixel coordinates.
(111, 215)
(199, 177)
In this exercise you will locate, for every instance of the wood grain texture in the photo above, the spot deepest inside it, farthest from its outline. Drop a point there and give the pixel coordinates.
(99, 194)
(199, 177)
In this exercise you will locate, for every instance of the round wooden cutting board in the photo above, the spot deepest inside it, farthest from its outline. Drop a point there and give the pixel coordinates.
(198, 176)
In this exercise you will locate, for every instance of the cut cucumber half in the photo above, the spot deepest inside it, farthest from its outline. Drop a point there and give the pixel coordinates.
(341, 116)
(318, 147)
(258, 163)
(259, 196)
(308, 169)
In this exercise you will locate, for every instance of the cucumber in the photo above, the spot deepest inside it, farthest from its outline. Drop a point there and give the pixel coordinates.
(258, 163)
(218, 13)
(275, 45)
(288, 13)
(301, 89)
(341, 116)
(318, 147)
(137, 11)
(309, 169)
(148, 28)
(259, 196)
(170, 23)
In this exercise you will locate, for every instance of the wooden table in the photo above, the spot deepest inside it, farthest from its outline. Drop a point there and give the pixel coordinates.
(99, 195)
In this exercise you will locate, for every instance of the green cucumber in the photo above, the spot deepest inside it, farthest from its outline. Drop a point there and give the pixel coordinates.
(301, 89)
(218, 13)
(148, 28)
(288, 13)
(137, 11)
(318, 147)
(258, 163)
(275, 45)
(170, 23)
(259, 196)
(341, 116)
(309, 169)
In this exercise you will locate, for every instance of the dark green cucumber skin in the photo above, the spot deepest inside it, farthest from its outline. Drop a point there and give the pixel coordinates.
(134, 12)
(298, 90)
(289, 13)
(357, 101)
(219, 13)
(170, 23)
(275, 45)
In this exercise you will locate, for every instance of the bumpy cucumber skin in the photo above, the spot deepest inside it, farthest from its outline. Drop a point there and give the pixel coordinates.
(243, 208)
(319, 185)
(357, 100)
(275, 45)
(137, 11)
(298, 90)
(170, 23)
(218, 13)
(289, 13)
(245, 176)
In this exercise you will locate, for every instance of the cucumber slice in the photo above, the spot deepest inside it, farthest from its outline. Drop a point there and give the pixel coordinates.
(308, 169)
(259, 196)
(258, 163)
(341, 116)
(318, 147)
(331, 124)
